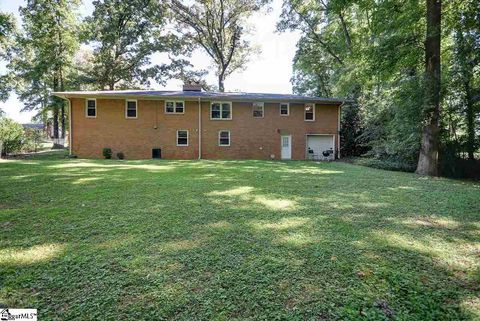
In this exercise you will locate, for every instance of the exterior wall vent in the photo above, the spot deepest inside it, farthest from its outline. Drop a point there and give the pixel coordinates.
(156, 153)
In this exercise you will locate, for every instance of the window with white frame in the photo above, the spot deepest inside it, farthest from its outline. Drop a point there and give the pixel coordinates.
(224, 138)
(258, 109)
(131, 109)
(220, 110)
(182, 137)
(91, 108)
(309, 112)
(284, 109)
(174, 107)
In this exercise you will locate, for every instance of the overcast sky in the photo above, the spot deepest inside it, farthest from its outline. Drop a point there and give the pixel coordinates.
(269, 72)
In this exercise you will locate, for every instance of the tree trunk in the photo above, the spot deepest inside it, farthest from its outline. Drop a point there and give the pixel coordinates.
(62, 115)
(470, 122)
(221, 80)
(111, 81)
(55, 122)
(62, 106)
(428, 158)
(56, 110)
(348, 39)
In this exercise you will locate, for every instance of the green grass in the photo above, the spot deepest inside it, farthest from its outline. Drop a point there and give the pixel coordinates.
(226, 240)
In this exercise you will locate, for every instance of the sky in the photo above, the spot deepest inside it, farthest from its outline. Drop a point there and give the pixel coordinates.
(268, 72)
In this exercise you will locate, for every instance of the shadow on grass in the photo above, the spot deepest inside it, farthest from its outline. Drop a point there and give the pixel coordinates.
(236, 240)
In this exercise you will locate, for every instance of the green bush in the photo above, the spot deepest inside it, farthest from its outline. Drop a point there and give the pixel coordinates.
(33, 139)
(12, 136)
(120, 155)
(107, 153)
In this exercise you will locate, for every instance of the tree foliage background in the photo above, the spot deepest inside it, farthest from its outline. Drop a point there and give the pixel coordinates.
(124, 35)
(8, 29)
(373, 53)
(43, 57)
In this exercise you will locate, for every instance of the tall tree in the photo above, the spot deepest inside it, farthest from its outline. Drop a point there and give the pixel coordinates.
(362, 51)
(7, 33)
(375, 52)
(428, 158)
(43, 60)
(124, 35)
(217, 26)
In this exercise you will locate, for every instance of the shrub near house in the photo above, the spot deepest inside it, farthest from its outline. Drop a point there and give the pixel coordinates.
(15, 137)
(11, 136)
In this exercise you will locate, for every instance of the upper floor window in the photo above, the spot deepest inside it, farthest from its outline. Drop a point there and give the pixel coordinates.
(309, 112)
(221, 110)
(182, 137)
(258, 109)
(174, 107)
(91, 108)
(224, 138)
(131, 109)
(284, 109)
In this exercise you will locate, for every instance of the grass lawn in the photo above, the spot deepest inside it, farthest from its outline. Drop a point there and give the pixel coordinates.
(226, 240)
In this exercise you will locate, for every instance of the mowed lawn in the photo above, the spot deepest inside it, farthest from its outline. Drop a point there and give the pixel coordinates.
(235, 240)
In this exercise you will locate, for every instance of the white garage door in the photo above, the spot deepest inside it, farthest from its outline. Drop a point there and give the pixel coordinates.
(317, 144)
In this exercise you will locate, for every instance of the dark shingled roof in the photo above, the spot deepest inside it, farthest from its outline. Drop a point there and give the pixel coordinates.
(207, 95)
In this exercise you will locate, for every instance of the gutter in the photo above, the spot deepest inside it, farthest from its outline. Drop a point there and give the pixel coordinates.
(194, 98)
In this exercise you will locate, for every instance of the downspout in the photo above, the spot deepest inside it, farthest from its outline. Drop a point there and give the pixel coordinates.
(338, 128)
(69, 127)
(199, 128)
(69, 124)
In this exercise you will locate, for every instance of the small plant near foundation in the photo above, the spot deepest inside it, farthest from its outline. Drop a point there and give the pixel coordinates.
(107, 153)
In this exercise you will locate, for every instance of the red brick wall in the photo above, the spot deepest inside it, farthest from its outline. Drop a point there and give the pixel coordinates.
(251, 138)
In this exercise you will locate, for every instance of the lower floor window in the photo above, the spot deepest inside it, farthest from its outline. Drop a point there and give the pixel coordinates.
(182, 137)
(224, 138)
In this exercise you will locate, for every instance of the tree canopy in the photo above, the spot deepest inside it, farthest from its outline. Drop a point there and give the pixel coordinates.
(124, 35)
(8, 29)
(374, 53)
(219, 27)
(43, 57)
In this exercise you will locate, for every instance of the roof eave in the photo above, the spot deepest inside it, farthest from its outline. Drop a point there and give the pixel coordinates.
(195, 98)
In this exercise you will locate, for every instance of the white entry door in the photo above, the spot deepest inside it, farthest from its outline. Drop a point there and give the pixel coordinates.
(286, 143)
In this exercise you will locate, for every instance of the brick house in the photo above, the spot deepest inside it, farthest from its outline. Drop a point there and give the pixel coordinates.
(192, 124)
